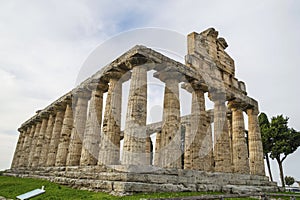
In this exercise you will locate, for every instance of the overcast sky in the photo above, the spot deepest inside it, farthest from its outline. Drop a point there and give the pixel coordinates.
(43, 45)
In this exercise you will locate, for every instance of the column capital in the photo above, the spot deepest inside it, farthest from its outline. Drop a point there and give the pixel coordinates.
(97, 85)
(168, 74)
(236, 105)
(253, 111)
(81, 93)
(136, 61)
(217, 96)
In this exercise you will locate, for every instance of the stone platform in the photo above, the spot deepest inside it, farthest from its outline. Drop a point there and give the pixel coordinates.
(120, 179)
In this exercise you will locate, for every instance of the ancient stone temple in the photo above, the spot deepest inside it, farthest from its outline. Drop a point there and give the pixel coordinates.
(76, 139)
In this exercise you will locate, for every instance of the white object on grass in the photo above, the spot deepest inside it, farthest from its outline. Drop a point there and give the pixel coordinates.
(31, 194)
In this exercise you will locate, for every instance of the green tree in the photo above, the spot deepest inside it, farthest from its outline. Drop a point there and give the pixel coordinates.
(289, 180)
(264, 125)
(283, 141)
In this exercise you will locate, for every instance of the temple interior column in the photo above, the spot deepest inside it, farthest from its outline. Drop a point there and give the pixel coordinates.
(47, 139)
(170, 145)
(34, 140)
(157, 149)
(64, 136)
(222, 154)
(188, 140)
(59, 109)
(109, 147)
(80, 115)
(134, 149)
(255, 144)
(239, 146)
(92, 134)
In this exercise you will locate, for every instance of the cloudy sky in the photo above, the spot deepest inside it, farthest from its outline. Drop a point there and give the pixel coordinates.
(43, 45)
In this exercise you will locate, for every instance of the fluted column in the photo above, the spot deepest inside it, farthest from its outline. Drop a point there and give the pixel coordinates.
(34, 141)
(188, 140)
(92, 134)
(157, 149)
(27, 144)
(222, 154)
(59, 117)
(109, 147)
(134, 149)
(239, 146)
(17, 155)
(40, 141)
(64, 137)
(80, 115)
(46, 142)
(170, 146)
(22, 161)
(198, 143)
(255, 144)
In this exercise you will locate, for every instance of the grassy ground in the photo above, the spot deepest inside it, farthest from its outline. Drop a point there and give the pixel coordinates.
(10, 187)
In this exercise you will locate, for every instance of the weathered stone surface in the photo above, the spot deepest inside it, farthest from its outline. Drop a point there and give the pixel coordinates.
(255, 144)
(64, 137)
(55, 137)
(80, 115)
(135, 135)
(34, 142)
(91, 140)
(109, 152)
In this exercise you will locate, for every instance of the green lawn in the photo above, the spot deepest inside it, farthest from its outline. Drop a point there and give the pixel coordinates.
(11, 187)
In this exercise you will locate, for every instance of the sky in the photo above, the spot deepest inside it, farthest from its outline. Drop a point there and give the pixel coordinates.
(44, 44)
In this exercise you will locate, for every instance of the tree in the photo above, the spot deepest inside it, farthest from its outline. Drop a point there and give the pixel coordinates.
(283, 141)
(264, 125)
(289, 180)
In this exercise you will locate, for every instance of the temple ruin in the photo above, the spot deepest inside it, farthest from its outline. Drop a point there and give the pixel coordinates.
(69, 142)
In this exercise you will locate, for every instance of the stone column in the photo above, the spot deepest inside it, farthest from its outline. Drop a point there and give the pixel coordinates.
(198, 144)
(255, 144)
(17, 155)
(187, 142)
(34, 140)
(80, 115)
(222, 154)
(134, 149)
(28, 145)
(40, 141)
(60, 111)
(109, 148)
(239, 146)
(149, 150)
(65, 136)
(90, 149)
(46, 142)
(157, 148)
(170, 145)
(22, 161)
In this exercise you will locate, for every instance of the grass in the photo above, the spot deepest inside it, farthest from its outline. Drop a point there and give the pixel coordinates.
(10, 187)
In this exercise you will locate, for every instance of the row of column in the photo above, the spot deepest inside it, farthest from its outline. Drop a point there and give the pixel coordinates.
(63, 136)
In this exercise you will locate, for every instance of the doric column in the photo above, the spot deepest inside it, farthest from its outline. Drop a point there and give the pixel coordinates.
(80, 115)
(109, 147)
(134, 149)
(28, 145)
(239, 146)
(18, 150)
(188, 139)
(46, 142)
(59, 117)
(170, 145)
(149, 150)
(40, 141)
(198, 142)
(65, 136)
(90, 149)
(222, 154)
(38, 122)
(24, 157)
(157, 149)
(255, 144)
